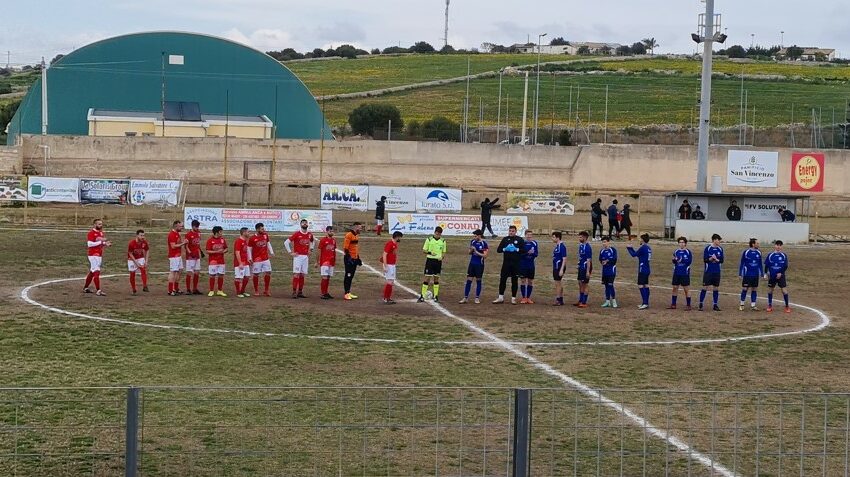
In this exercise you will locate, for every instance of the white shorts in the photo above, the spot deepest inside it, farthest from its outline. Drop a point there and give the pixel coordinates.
(327, 270)
(193, 264)
(131, 265)
(261, 267)
(389, 272)
(379, 222)
(242, 272)
(175, 264)
(216, 269)
(300, 264)
(95, 263)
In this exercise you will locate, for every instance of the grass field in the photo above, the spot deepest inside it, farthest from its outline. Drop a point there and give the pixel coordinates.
(188, 434)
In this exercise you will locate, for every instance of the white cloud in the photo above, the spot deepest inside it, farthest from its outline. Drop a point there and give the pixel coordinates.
(265, 39)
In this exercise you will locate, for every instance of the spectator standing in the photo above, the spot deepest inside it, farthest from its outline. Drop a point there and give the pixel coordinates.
(486, 214)
(596, 214)
(613, 224)
(733, 213)
(380, 209)
(626, 220)
(685, 210)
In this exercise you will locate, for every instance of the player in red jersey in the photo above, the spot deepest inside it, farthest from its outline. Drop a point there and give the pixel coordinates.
(216, 248)
(299, 245)
(194, 254)
(137, 260)
(241, 263)
(95, 242)
(327, 261)
(389, 260)
(175, 257)
(260, 250)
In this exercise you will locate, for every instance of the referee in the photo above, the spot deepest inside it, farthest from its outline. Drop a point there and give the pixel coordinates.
(434, 248)
(511, 248)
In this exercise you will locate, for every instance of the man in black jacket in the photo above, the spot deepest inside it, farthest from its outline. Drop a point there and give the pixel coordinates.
(486, 213)
(380, 208)
(613, 223)
(596, 214)
(733, 212)
(512, 248)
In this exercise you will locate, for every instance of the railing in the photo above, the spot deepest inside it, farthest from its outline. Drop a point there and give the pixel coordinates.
(372, 431)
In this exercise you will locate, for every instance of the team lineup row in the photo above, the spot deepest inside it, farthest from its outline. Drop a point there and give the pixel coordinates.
(253, 252)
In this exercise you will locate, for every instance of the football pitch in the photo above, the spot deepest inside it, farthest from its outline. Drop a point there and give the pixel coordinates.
(607, 379)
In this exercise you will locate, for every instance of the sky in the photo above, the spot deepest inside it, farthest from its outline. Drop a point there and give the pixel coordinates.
(36, 28)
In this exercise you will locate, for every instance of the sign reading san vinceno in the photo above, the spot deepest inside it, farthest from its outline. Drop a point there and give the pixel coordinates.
(752, 168)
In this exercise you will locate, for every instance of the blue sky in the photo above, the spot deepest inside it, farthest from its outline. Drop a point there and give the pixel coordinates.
(36, 28)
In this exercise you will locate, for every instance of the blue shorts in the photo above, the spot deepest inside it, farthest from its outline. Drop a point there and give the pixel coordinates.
(475, 270)
(608, 279)
(750, 282)
(773, 281)
(682, 280)
(711, 279)
(643, 279)
(526, 272)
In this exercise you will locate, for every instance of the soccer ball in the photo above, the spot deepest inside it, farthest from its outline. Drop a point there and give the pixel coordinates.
(429, 295)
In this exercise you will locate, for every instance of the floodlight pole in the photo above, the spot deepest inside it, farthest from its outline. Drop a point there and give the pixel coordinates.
(43, 98)
(524, 110)
(537, 93)
(705, 97)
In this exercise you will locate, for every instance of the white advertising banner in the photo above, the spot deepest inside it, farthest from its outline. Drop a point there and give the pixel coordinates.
(752, 168)
(399, 199)
(762, 209)
(453, 225)
(438, 200)
(275, 220)
(345, 197)
(54, 189)
(154, 192)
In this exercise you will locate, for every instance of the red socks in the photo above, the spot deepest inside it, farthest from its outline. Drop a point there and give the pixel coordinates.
(326, 281)
(212, 282)
(144, 277)
(267, 280)
(244, 284)
(88, 279)
(388, 291)
(298, 283)
(133, 281)
(256, 284)
(221, 283)
(189, 282)
(96, 278)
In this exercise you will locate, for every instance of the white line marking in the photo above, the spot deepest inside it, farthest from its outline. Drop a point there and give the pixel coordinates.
(619, 408)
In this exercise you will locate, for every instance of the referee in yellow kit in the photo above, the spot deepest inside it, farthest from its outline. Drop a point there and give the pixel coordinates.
(434, 248)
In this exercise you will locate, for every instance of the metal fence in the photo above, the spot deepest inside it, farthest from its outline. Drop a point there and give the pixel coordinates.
(154, 431)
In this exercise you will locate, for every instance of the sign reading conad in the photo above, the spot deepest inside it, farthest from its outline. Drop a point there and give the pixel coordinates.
(345, 197)
(807, 172)
(54, 189)
(275, 220)
(453, 225)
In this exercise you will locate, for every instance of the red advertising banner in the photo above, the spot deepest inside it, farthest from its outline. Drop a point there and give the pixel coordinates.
(807, 172)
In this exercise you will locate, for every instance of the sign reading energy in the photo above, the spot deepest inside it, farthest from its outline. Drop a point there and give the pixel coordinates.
(807, 172)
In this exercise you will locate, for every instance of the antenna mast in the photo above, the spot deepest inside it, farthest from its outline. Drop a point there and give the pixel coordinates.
(446, 29)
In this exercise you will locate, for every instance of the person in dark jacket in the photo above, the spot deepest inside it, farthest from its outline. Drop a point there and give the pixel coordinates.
(613, 223)
(380, 208)
(685, 210)
(626, 220)
(487, 212)
(596, 214)
(697, 214)
(787, 215)
(512, 249)
(733, 212)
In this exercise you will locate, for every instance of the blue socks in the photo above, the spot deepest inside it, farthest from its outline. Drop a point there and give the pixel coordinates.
(644, 294)
(785, 296)
(529, 288)
(522, 289)
(467, 288)
(743, 295)
(702, 294)
(716, 296)
(753, 296)
(478, 288)
(582, 298)
(674, 299)
(769, 298)
(688, 300)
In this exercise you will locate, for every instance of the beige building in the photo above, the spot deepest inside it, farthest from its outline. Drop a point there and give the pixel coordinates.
(809, 54)
(143, 123)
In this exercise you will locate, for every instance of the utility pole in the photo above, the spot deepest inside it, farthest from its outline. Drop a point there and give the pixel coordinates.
(43, 97)
(524, 110)
(8, 59)
(707, 36)
(446, 28)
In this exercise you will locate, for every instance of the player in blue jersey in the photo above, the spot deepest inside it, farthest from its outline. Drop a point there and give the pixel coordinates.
(526, 268)
(713, 256)
(608, 260)
(682, 259)
(644, 255)
(750, 270)
(585, 268)
(559, 266)
(775, 266)
(478, 250)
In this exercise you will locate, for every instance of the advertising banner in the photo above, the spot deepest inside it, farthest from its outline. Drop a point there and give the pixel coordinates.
(13, 188)
(399, 199)
(807, 172)
(154, 192)
(430, 199)
(104, 191)
(275, 220)
(540, 202)
(453, 225)
(54, 189)
(763, 209)
(345, 197)
(752, 168)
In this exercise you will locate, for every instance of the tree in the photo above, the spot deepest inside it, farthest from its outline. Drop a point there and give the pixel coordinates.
(57, 58)
(736, 51)
(345, 51)
(447, 50)
(7, 111)
(650, 44)
(368, 117)
(422, 47)
(605, 50)
(441, 128)
(559, 41)
(394, 49)
(638, 48)
(793, 52)
(623, 50)
(285, 54)
(5, 88)
(414, 128)
(316, 53)
(375, 51)
(583, 50)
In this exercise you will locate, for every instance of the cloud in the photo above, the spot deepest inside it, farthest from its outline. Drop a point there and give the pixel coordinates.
(265, 39)
(339, 33)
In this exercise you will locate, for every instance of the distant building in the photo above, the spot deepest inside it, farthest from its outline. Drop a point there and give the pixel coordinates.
(150, 123)
(809, 54)
(594, 48)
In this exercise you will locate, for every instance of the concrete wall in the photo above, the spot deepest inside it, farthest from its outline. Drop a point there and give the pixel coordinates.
(477, 168)
(10, 160)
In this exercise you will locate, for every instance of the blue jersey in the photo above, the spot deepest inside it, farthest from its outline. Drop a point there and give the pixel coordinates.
(609, 257)
(478, 247)
(530, 252)
(716, 252)
(776, 262)
(682, 259)
(644, 255)
(750, 263)
(559, 254)
(585, 256)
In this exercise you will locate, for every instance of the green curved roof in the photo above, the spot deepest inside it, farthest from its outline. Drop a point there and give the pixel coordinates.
(125, 73)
